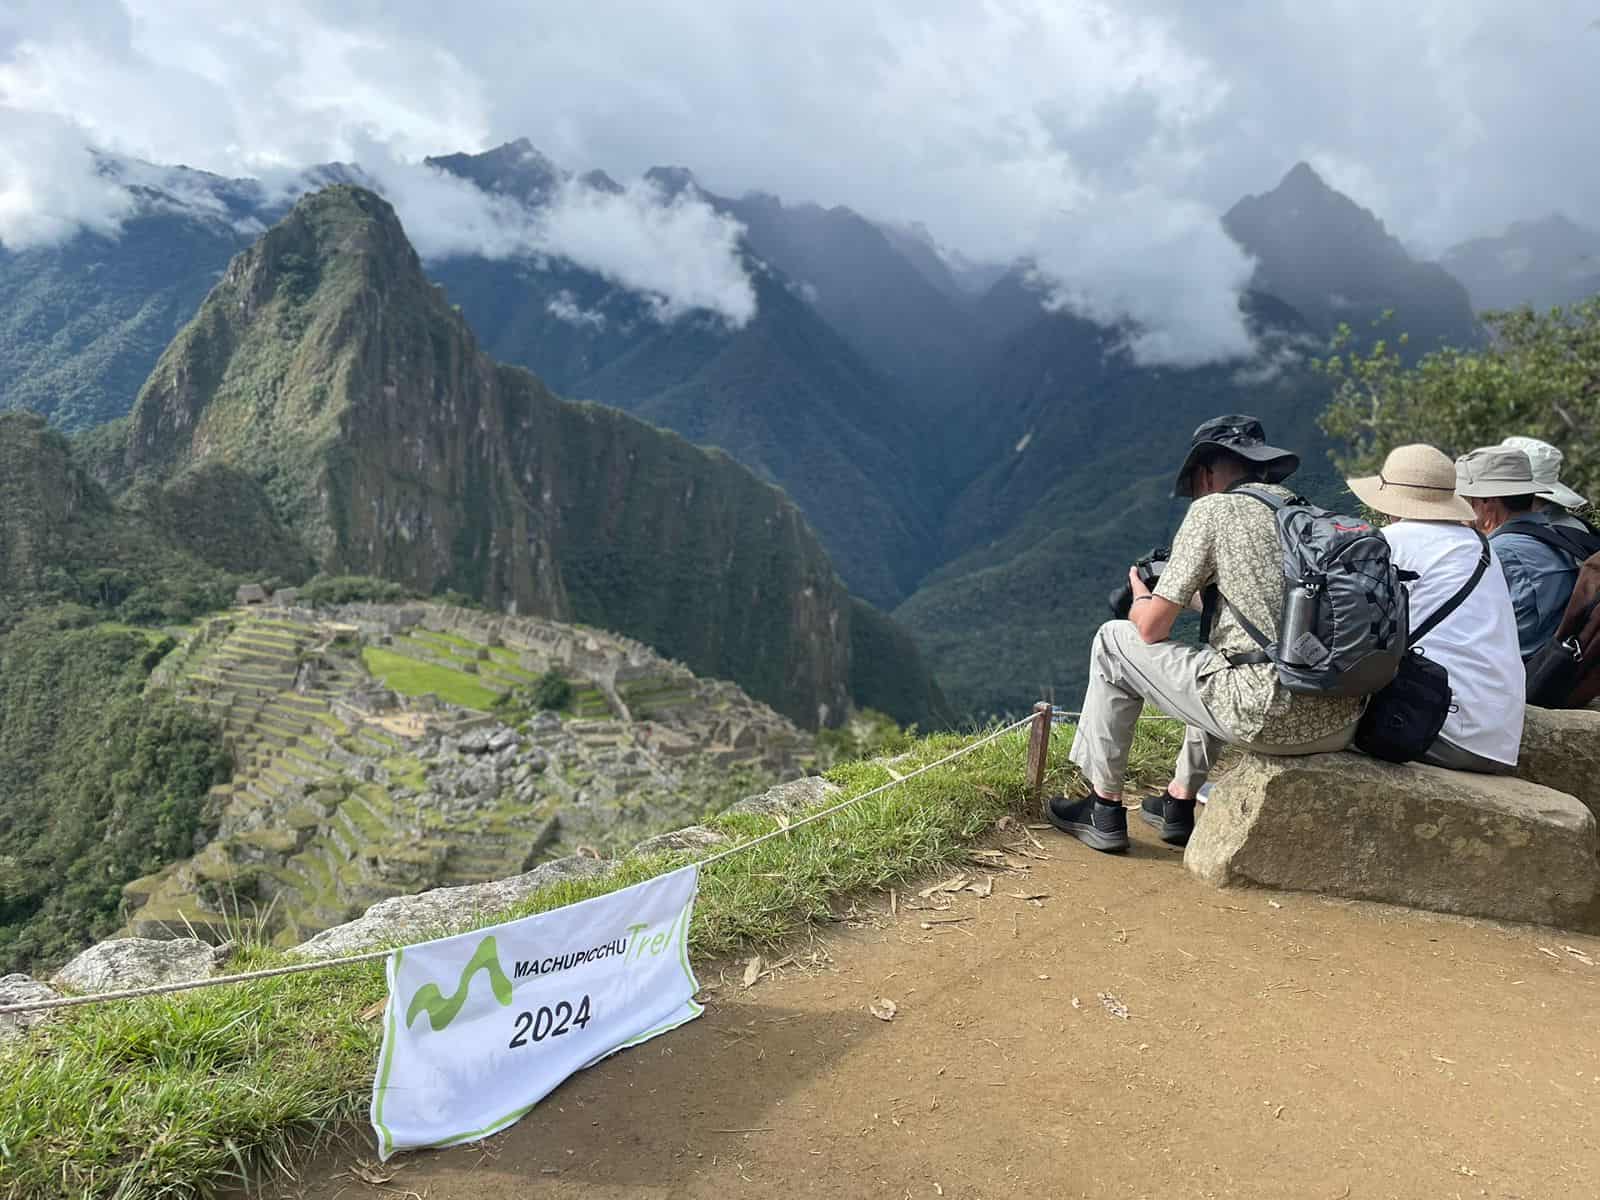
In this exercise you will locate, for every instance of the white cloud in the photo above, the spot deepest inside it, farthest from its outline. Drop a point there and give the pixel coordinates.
(50, 185)
(564, 306)
(1099, 139)
(274, 92)
(679, 254)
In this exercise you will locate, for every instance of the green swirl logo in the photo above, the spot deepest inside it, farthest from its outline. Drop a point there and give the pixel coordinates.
(442, 1009)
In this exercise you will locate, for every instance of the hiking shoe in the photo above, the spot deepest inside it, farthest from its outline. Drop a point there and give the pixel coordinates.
(1172, 818)
(1094, 822)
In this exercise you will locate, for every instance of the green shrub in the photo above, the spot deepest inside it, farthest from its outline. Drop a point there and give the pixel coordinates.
(551, 691)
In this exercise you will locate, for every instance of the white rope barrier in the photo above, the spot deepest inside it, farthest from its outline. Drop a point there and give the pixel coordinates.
(325, 964)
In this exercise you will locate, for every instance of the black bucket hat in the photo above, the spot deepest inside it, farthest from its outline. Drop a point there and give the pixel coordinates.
(1241, 435)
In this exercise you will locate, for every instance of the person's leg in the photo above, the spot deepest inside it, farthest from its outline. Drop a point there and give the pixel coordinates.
(1201, 749)
(1124, 673)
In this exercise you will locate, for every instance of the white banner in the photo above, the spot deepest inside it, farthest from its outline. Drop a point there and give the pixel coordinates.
(532, 1001)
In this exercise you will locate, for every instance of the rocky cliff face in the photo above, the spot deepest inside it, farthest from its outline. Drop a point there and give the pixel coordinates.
(1334, 262)
(325, 367)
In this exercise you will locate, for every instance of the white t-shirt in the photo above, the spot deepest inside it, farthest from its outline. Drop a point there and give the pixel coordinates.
(1477, 643)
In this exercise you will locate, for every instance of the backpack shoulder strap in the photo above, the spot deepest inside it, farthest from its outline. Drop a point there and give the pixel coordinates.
(1571, 542)
(1272, 501)
(1455, 601)
(1213, 599)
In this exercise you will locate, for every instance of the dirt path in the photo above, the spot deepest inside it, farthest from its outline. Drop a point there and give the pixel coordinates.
(1273, 1046)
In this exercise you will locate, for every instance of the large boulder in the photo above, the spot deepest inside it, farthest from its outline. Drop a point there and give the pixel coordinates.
(1561, 750)
(408, 919)
(1347, 825)
(138, 962)
(790, 799)
(19, 989)
(692, 837)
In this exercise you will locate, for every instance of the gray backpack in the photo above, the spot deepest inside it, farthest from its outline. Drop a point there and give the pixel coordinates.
(1342, 629)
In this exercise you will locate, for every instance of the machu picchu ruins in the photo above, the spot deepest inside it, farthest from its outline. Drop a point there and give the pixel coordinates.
(381, 750)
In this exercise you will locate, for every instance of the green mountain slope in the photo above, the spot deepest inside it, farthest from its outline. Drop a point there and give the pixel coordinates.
(62, 538)
(812, 397)
(327, 369)
(82, 323)
(102, 783)
(1084, 447)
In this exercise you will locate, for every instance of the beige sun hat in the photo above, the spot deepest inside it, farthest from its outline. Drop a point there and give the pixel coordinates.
(1491, 471)
(1417, 483)
(1545, 460)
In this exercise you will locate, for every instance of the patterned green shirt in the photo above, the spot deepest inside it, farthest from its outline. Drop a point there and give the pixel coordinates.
(1232, 541)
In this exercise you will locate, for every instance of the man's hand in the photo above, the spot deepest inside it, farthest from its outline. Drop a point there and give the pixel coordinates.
(1153, 616)
(1137, 584)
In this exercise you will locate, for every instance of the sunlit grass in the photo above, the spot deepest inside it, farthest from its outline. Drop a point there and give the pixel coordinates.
(411, 677)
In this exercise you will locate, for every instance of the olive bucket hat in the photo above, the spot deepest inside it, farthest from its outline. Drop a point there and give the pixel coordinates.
(1241, 435)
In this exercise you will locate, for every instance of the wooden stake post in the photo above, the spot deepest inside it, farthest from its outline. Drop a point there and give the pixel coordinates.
(1038, 749)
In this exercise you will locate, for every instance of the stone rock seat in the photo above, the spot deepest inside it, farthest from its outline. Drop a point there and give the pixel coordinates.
(1505, 847)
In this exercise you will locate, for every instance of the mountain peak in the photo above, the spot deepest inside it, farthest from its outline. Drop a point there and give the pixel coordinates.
(516, 168)
(1303, 177)
(672, 180)
(1333, 261)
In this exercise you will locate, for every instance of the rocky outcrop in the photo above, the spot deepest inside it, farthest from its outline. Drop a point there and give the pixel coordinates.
(789, 799)
(19, 989)
(694, 837)
(443, 911)
(139, 962)
(1561, 750)
(1347, 825)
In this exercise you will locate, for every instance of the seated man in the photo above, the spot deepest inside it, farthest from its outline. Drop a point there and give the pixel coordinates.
(1230, 541)
(1554, 498)
(1476, 642)
(1498, 483)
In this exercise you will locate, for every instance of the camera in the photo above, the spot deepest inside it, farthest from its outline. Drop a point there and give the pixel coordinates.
(1149, 568)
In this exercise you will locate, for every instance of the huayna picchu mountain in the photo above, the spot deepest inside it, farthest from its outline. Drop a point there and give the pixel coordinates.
(325, 368)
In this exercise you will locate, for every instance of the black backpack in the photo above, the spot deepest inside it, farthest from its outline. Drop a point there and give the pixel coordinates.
(1565, 671)
(1403, 719)
(1342, 628)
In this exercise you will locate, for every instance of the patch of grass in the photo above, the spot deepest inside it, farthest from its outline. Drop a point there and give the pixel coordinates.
(184, 1096)
(410, 677)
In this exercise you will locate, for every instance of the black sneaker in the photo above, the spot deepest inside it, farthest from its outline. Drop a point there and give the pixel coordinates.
(1169, 816)
(1094, 822)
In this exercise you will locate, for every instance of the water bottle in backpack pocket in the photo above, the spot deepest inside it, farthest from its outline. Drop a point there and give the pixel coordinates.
(1342, 627)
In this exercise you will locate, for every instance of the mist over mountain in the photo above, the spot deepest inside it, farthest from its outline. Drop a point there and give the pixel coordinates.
(1548, 263)
(1334, 262)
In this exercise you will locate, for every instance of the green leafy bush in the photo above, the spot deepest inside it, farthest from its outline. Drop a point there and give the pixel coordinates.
(1540, 377)
(551, 691)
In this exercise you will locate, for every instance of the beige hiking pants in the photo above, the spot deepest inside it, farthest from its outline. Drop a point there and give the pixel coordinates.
(1124, 673)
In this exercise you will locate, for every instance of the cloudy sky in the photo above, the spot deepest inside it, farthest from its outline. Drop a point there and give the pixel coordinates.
(1102, 139)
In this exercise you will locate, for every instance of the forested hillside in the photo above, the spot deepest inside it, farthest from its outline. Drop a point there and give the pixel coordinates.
(102, 783)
